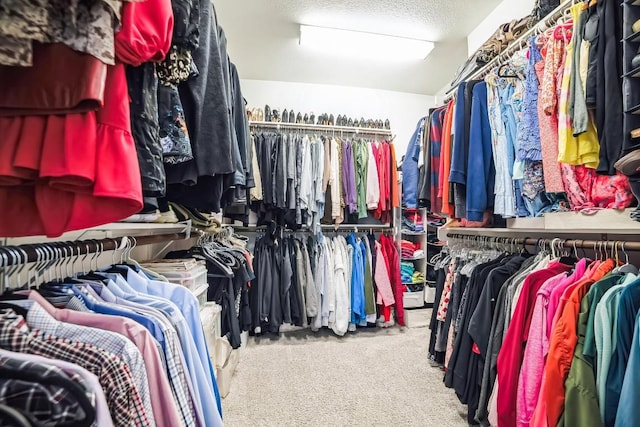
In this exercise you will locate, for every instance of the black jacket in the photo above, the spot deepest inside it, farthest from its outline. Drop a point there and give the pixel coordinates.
(143, 91)
(609, 105)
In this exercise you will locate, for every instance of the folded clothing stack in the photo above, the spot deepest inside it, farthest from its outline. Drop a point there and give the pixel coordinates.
(410, 249)
(435, 220)
(418, 277)
(413, 221)
(406, 272)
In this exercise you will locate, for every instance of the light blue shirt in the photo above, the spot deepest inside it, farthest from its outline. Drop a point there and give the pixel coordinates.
(190, 309)
(101, 307)
(152, 319)
(205, 400)
(628, 413)
(358, 311)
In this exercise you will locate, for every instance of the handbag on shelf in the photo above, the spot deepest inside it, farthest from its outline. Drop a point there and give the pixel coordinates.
(541, 9)
(494, 46)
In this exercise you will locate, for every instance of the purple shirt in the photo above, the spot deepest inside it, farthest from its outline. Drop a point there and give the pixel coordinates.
(349, 178)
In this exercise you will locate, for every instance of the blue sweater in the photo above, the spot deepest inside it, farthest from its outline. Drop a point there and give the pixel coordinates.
(410, 172)
(481, 170)
(458, 165)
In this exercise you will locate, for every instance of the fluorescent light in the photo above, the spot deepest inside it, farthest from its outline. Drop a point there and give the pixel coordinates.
(366, 45)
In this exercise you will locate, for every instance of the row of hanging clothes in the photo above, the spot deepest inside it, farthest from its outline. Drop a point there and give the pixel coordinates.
(307, 179)
(230, 271)
(113, 346)
(124, 133)
(538, 134)
(339, 281)
(548, 338)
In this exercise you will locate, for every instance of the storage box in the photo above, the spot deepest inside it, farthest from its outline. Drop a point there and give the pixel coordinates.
(211, 323)
(413, 299)
(193, 279)
(201, 295)
(226, 362)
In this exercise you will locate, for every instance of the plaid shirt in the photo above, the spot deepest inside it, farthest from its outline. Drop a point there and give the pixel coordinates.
(45, 324)
(46, 404)
(175, 367)
(124, 401)
(178, 377)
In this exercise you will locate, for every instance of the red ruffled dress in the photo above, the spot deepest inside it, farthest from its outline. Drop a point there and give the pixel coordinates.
(71, 171)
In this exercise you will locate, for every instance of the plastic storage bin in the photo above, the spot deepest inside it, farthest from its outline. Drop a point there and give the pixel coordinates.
(413, 299)
(201, 294)
(192, 279)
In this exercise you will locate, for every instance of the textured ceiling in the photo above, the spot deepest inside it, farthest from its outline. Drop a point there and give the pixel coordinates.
(263, 39)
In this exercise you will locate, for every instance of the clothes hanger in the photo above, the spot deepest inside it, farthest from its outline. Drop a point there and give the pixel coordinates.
(93, 269)
(627, 267)
(567, 257)
(508, 75)
(126, 262)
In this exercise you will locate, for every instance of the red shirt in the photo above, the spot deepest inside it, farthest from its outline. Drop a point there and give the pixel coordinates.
(512, 351)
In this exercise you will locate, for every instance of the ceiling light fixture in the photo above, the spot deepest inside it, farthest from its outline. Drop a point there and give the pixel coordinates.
(365, 45)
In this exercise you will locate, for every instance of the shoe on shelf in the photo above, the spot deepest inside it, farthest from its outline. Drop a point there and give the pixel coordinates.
(339, 120)
(299, 119)
(168, 217)
(332, 121)
(362, 123)
(143, 217)
(635, 61)
(285, 116)
(350, 122)
(629, 164)
(305, 120)
(267, 113)
(275, 116)
(292, 117)
(387, 124)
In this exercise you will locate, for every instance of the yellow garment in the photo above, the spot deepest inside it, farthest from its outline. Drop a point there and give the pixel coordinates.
(585, 148)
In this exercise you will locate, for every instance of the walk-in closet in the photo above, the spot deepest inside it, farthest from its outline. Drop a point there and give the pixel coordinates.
(287, 213)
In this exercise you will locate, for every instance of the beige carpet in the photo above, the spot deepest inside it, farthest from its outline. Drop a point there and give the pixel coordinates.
(377, 378)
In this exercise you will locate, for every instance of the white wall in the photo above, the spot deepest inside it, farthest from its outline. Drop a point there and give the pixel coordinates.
(402, 109)
(504, 12)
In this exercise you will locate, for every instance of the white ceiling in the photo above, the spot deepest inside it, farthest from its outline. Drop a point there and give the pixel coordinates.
(263, 39)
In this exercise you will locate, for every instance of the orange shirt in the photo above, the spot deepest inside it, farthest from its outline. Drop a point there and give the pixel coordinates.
(564, 338)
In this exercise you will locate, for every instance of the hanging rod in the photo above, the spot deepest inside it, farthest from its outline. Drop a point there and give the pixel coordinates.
(549, 21)
(324, 227)
(321, 128)
(562, 243)
(24, 254)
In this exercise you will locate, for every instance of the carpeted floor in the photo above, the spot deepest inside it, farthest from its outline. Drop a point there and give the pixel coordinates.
(377, 378)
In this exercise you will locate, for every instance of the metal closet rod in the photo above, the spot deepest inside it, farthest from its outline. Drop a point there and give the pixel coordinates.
(562, 243)
(549, 21)
(325, 228)
(279, 125)
(24, 254)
